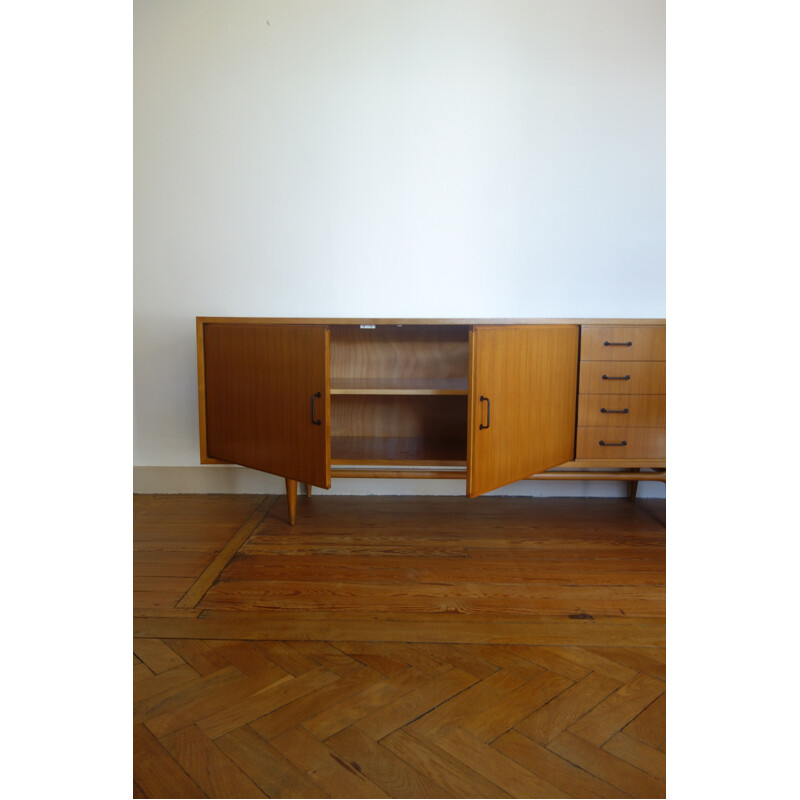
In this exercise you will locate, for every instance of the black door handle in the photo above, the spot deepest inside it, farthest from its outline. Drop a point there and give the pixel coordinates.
(313, 414)
(488, 413)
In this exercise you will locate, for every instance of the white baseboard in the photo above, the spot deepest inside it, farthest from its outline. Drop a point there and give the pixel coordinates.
(222, 479)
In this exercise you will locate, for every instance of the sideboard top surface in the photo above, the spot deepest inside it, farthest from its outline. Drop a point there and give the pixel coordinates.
(407, 321)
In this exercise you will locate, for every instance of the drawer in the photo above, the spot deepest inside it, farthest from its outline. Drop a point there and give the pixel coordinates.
(638, 443)
(622, 411)
(623, 377)
(623, 343)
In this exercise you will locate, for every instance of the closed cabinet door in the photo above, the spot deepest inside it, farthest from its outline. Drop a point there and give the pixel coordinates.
(267, 398)
(522, 402)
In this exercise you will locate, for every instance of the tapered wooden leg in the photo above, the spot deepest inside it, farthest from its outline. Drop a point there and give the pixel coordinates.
(308, 490)
(632, 486)
(291, 498)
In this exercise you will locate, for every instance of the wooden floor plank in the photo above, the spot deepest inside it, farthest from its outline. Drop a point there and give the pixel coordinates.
(208, 766)
(193, 691)
(618, 709)
(554, 769)
(201, 585)
(326, 655)
(606, 766)
(399, 647)
(640, 659)
(405, 709)
(432, 628)
(205, 657)
(395, 776)
(463, 598)
(465, 705)
(375, 694)
(646, 758)
(157, 655)
(275, 775)
(568, 707)
(516, 706)
(200, 708)
(506, 773)
(456, 777)
(295, 713)
(597, 662)
(276, 694)
(650, 726)
(170, 680)
(156, 772)
(288, 658)
(323, 766)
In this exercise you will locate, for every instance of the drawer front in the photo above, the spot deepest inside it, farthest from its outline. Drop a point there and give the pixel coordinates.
(623, 377)
(622, 411)
(605, 442)
(623, 343)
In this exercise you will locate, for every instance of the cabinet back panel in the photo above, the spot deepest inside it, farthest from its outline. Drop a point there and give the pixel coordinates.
(399, 351)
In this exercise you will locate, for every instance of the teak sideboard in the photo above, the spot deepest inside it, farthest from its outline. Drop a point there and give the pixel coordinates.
(491, 401)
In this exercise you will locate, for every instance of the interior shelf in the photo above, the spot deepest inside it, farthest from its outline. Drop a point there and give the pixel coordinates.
(399, 386)
(398, 450)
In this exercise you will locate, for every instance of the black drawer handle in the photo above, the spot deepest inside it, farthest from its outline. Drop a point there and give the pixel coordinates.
(313, 414)
(616, 377)
(617, 344)
(613, 410)
(488, 414)
(623, 443)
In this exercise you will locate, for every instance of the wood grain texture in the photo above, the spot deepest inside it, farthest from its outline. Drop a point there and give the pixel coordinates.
(645, 377)
(201, 585)
(399, 386)
(644, 443)
(376, 417)
(399, 450)
(435, 569)
(609, 343)
(172, 548)
(622, 411)
(391, 352)
(324, 702)
(259, 384)
(527, 376)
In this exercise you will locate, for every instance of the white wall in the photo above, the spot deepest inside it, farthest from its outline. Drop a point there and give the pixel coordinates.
(412, 158)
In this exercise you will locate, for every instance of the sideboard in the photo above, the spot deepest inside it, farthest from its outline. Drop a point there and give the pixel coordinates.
(488, 401)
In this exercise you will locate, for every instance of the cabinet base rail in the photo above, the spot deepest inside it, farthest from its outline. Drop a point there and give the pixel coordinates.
(632, 476)
(553, 475)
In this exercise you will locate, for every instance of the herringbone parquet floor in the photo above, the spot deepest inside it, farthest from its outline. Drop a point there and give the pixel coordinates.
(561, 698)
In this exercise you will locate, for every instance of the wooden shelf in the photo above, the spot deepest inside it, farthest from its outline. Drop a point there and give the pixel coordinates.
(399, 386)
(399, 451)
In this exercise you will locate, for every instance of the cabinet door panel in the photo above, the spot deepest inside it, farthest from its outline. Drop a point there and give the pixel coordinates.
(527, 376)
(261, 383)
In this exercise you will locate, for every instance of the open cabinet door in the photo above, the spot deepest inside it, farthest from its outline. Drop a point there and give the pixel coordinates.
(267, 398)
(522, 399)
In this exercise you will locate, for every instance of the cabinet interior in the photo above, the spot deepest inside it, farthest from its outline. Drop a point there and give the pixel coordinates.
(399, 394)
